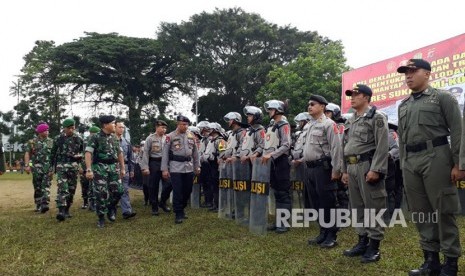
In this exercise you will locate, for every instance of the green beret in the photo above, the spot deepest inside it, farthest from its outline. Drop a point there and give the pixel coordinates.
(94, 129)
(68, 122)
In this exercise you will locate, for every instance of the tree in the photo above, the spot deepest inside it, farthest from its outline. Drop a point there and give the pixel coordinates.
(230, 52)
(317, 70)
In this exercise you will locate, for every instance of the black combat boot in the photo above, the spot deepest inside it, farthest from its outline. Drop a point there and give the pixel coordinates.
(101, 221)
(44, 208)
(67, 214)
(165, 208)
(358, 249)
(431, 266)
(85, 204)
(372, 253)
(330, 240)
(111, 213)
(450, 267)
(155, 209)
(61, 214)
(320, 238)
(37, 209)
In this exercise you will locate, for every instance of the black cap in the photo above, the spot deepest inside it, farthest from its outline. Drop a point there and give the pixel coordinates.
(160, 123)
(414, 63)
(106, 119)
(360, 88)
(181, 118)
(319, 99)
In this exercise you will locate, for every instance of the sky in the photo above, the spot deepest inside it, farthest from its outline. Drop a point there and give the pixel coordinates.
(370, 31)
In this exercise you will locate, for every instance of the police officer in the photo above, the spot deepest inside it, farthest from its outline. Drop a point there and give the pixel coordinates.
(365, 151)
(297, 147)
(426, 118)
(151, 165)
(253, 141)
(277, 146)
(392, 188)
(179, 162)
(216, 145)
(103, 152)
(323, 155)
(38, 151)
(205, 172)
(65, 157)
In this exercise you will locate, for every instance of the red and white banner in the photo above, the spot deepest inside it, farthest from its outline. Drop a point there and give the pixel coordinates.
(447, 60)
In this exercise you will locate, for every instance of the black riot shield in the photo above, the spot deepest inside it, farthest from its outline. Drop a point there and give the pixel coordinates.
(241, 185)
(259, 194)
(297, 181)
(195, 195)
(226, 203)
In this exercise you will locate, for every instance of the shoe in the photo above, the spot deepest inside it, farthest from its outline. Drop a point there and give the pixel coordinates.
(67, 214)
(271, 227)
(330, 240)
(111, 215)
(372, 254)
(318, 239)
(61, 214)
(101, 221)
(84, 206)
(178, 220)
(129, 215)
(37, 209)
(431, 266)
(359, 249)
(281, 230)
(44, 208)
(164, 208)
(450, 267)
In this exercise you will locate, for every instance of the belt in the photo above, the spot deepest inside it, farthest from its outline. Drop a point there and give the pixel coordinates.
(179, 158)
(354, 159)
(438, 141)
(317, 163)
(155, 159)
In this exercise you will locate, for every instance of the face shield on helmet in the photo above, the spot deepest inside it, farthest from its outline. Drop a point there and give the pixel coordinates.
(236, 117)
(335, 109)
(301, 119)
(255, 112)
(194, 130)
(275, 104)
(215, 127)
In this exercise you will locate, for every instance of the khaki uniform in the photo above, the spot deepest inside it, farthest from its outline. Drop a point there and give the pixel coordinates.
(366, 149)
(425, 121)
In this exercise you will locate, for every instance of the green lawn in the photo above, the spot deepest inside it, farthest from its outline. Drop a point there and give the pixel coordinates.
(36, 244)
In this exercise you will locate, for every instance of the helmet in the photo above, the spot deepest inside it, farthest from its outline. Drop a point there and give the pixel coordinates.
(335, 109)
(255, 111)
(194, 130)
(303, 116)
(202, 124)
(233, 116)
(347, 116)
(215, 127)
(275, 104)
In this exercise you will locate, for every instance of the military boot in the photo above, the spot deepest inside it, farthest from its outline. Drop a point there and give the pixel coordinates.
(67, 214)
(320, 238)
(44, 208)
(111, 213)
(372, 253)
(330, 240)
(358, 249)
(85, 204)
(101, 221)
(431, 266)
(61, 214)
(450, 267)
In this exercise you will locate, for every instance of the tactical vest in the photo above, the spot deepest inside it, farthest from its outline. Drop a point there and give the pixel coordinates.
(248, 142)
(211, 151)
(157, 145)
(298, 150)
(272, 141)
(203, 144)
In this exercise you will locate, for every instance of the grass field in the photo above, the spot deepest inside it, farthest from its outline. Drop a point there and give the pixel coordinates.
(36, 244)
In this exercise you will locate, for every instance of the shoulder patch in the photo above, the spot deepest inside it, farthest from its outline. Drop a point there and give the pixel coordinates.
(380, 122)
(167, 139)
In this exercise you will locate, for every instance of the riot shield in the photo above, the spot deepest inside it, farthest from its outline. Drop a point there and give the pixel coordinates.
(297, 181)
(195, 195)
(241, 186)
(259, 194)
(225, 191)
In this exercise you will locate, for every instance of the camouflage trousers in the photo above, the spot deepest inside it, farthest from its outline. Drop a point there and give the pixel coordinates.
(66, 182)
(107, 186)
(41, 183)
(86, 187)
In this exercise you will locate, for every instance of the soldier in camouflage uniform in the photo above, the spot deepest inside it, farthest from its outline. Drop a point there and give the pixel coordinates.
(65, 157)
(38, 151)
(103, 152)
(2, 164)
(86, 184)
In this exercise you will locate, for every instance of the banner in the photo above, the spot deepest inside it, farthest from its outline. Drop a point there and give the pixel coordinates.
(447, 59)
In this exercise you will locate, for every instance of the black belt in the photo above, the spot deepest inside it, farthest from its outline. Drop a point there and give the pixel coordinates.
(354, 159)
(155, 159)
(438, 141)
(179, 158)
(317, 163)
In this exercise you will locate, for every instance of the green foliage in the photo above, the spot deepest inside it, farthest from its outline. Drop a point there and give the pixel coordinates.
(316, 70)
(230, 52)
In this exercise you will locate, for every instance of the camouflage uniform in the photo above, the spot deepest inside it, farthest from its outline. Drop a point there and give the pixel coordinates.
(66, 155)
(86, 184)
(108, 188)
(39, 152)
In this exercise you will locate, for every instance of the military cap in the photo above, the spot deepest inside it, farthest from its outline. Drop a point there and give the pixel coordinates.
(106, 119)
(181, 118)
(94, 129)
(360, 88)
(319, 99)
(160, 123)
(68, 122)
(414, 63)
